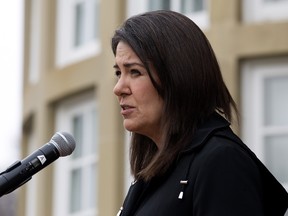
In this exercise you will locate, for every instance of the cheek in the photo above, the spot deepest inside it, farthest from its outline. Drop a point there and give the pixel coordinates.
(154, 108)
(159, 108)
(148, 99)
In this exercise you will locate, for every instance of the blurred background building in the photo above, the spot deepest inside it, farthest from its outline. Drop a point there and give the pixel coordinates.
(68, 80)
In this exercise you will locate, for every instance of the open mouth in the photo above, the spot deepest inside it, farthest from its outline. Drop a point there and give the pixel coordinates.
(125, 107)
(126, 110)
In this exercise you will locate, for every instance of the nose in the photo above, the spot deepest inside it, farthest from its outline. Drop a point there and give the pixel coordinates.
(122, 87)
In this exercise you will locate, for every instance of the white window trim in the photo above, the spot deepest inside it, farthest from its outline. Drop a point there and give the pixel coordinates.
(66, 53)
(201, 19)
(253, 129)
(61, 180)
(260, 10)
(261, 69)
(140, 6)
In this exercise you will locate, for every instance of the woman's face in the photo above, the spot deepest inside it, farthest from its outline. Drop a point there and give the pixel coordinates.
(141, 105)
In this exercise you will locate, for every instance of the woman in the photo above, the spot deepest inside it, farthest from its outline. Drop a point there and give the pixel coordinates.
(184, 157)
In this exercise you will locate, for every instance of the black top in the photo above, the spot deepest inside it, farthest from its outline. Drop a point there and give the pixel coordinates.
(216, 175)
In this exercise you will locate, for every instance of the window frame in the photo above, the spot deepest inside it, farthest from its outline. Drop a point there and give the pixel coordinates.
(63, 168)
(253, 128)
(200, 18)
(66, 52)
(264, 11)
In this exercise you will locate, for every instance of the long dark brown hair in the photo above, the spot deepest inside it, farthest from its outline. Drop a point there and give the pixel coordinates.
(191, 83)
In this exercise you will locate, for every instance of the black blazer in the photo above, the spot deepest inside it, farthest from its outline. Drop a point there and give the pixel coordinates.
(217, 175)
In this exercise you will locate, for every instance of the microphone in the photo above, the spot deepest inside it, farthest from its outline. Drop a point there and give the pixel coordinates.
(20, 172)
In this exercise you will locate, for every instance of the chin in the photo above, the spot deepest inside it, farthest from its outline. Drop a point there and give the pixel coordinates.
(129, 127)
(132, 127)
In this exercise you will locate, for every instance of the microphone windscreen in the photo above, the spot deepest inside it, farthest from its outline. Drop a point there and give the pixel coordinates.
(64, 142)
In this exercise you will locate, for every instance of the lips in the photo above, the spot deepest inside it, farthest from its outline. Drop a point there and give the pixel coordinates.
(126, 109)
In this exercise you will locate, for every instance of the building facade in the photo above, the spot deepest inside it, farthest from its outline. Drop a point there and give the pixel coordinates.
(69, 77)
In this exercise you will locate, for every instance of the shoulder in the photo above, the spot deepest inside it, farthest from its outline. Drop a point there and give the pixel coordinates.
(223, 172)
(224, 154)
(221, 155)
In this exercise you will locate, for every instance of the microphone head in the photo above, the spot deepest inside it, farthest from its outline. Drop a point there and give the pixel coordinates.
(64, 142)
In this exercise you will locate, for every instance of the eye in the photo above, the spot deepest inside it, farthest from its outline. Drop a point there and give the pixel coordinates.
(118, 73)
(135, 72)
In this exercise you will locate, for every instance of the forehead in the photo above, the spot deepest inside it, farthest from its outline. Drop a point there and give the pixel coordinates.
(124, 51)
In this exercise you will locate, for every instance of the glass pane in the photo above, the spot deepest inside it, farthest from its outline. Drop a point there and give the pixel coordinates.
(96, 27)
(190, 6)
(95, 131)
(276, 101)
(78, 135)
(86, 22)
(91, 126)
(79, 24)
(91, 187)
(276, 151)
(76, 188)
(160, 4)
(91, 18)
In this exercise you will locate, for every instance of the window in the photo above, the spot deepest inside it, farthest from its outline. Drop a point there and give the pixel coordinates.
(197, 10)
(265, 119)
(75, 191)
(192, 6)
(264, 10)
(78, 30)
(163, 4)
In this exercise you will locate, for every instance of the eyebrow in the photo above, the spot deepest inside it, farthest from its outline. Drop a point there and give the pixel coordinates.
(128, 65)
